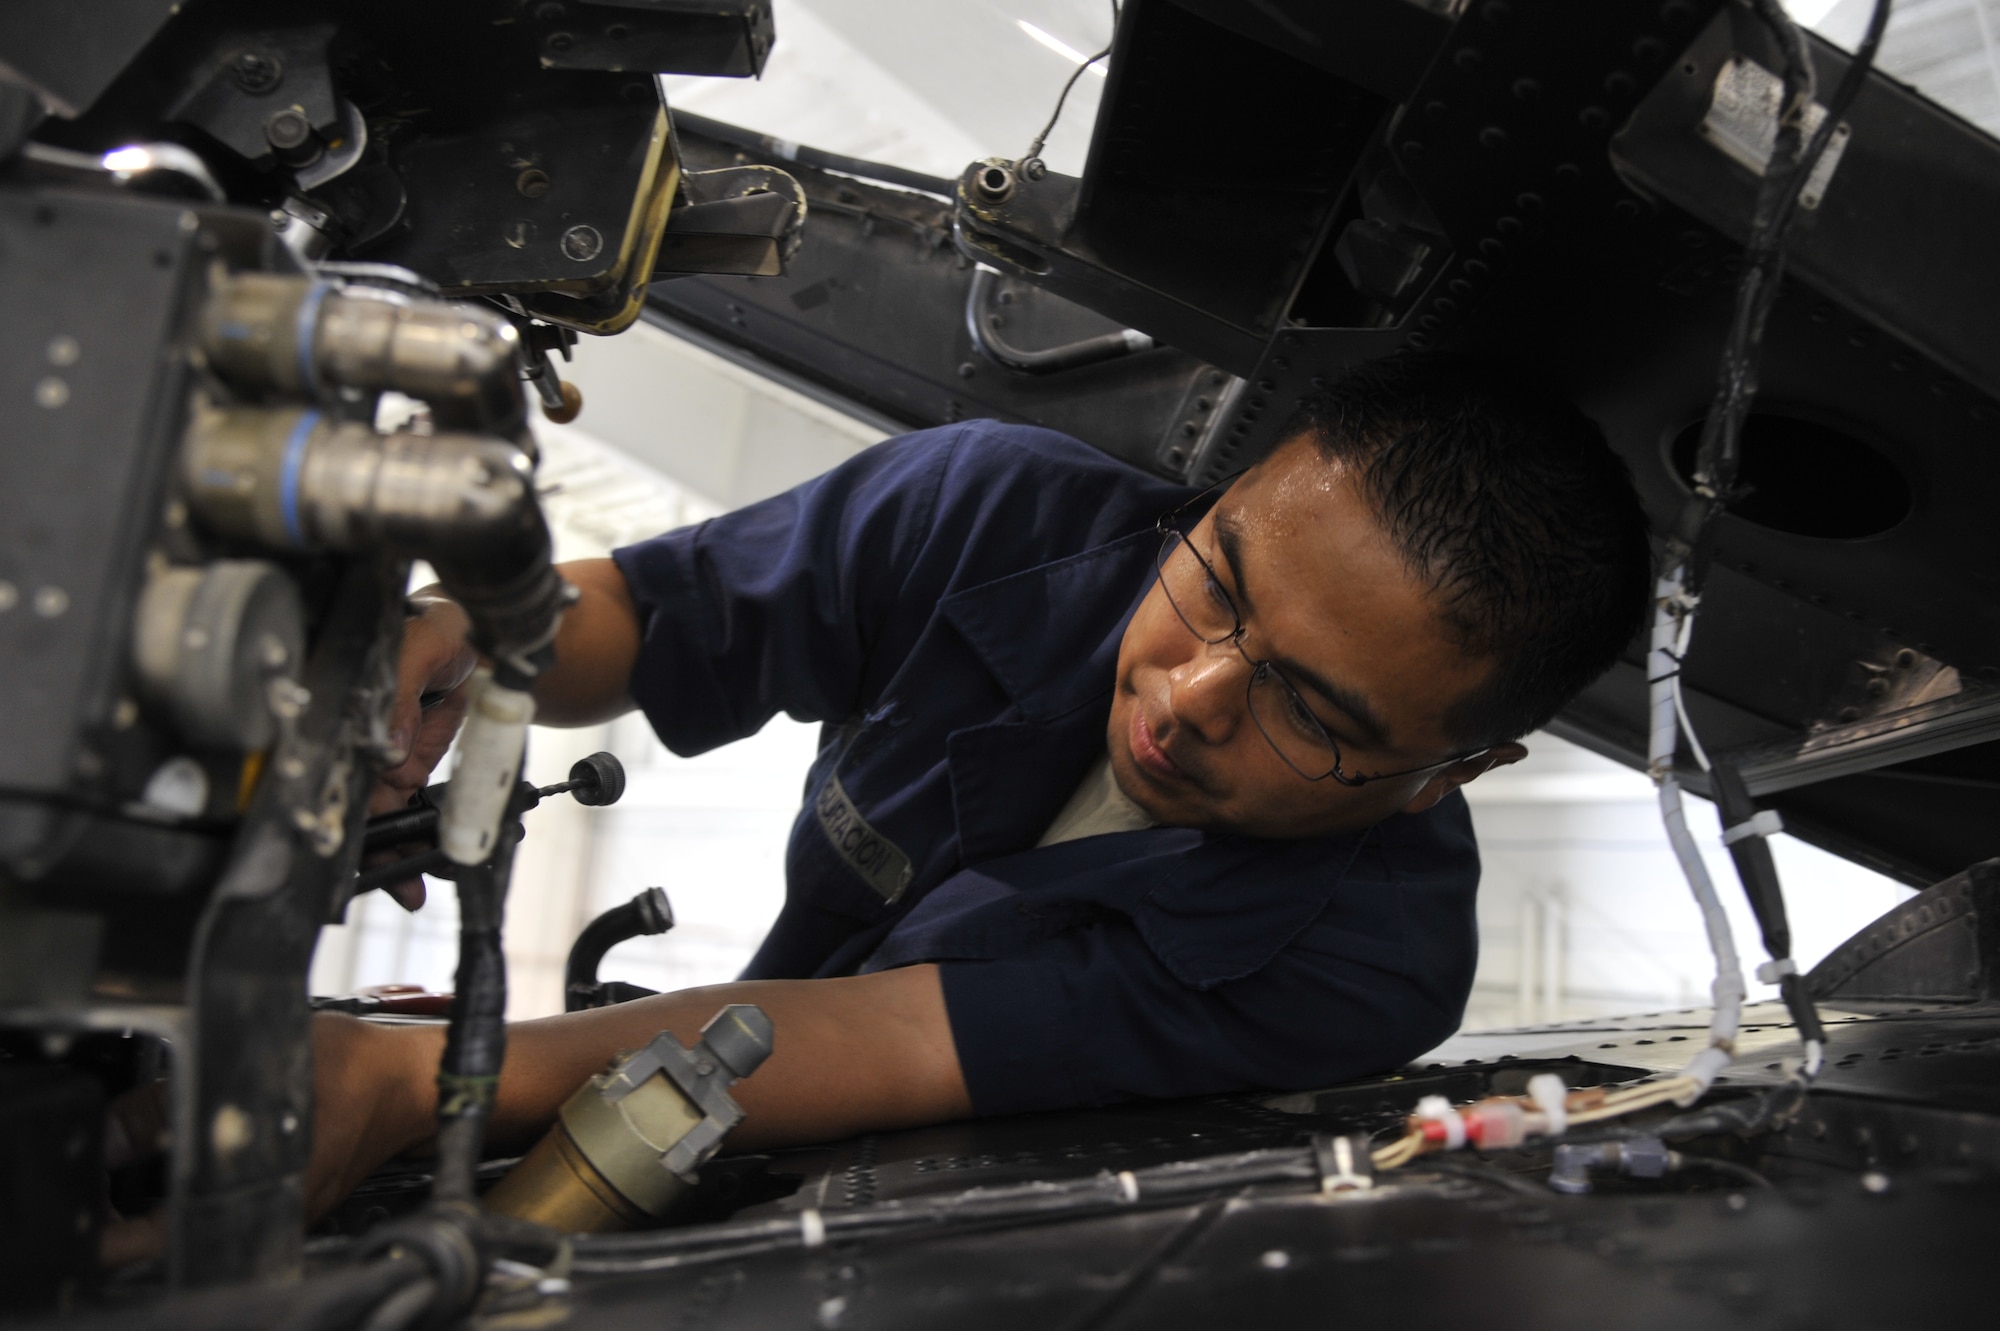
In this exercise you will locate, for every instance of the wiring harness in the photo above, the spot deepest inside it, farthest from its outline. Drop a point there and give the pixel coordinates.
(1551, 1110)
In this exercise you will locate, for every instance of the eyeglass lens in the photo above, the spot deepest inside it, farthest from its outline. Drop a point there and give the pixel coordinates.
(1205, 608)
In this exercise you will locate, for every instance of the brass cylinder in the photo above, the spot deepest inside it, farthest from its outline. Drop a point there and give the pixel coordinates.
(602, 1166)
(555, 1185)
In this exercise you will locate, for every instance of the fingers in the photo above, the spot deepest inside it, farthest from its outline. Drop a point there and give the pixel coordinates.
(423, 737)
(135, 1129)
(435, 663)
(135, 1125)
(124, 1242)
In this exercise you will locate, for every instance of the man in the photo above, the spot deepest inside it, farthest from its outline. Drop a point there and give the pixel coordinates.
(1124, 790)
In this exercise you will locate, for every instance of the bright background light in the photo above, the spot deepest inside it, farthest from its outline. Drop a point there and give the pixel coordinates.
(1060, 47)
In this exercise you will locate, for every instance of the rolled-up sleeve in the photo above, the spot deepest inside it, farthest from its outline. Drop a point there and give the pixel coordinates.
(1093, 1017)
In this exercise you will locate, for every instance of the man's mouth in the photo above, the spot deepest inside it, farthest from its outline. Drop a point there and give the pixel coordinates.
(1149, 755)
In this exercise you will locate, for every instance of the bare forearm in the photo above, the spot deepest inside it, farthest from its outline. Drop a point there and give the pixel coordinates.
(595, 650)
(850, 1055)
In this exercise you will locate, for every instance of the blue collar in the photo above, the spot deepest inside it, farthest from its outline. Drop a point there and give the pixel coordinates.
(1078, 608)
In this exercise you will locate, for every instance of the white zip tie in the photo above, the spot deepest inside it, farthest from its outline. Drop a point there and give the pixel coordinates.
(1766, 822)
(812, 1228)
(1128, 1186)
(1437, 1109)
(1551, 1096)
(1770, 972)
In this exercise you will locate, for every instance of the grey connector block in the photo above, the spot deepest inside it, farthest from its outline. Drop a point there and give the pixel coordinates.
(1641, 1157)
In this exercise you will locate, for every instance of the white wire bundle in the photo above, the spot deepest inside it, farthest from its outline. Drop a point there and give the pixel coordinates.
(1673, 612)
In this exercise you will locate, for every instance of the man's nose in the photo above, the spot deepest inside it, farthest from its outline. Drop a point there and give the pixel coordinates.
(1208, 690)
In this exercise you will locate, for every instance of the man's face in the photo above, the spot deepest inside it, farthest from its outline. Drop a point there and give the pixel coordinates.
(1326, 597)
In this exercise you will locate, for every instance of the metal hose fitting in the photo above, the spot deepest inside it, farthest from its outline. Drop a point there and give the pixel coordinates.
(292, 479)
(298, 336)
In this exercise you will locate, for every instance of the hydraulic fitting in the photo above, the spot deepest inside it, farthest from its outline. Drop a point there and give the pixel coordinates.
(294, 480)
(627, 1146)
(1639, 1157)
(298, 336)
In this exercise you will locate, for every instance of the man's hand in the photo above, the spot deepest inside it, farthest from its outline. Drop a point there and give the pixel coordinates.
(595, 650)
(374, 1098)
(437, 661)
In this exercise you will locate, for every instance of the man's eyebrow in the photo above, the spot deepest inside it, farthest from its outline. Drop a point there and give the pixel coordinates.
(1229, 537)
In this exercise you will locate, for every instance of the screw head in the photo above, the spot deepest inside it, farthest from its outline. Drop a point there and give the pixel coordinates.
(256, 71)
(582, 243)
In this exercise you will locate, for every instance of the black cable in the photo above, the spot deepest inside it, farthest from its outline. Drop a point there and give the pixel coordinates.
(786, 151)
(1477, 1171)
(1791, 165)
(328, 1302)
(1031, 161)
(402, 1309)
(1727, 1168)
(476, 1042)
(1717, 455)
(1161, 1185)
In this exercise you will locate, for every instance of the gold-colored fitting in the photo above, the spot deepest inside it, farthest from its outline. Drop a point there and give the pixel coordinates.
(627, 1146)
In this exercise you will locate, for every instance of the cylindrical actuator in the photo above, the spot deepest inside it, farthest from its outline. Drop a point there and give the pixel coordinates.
(626, 1147)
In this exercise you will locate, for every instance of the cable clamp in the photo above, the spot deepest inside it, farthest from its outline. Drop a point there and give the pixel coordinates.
(1766, 823)
(1344, 1163)
(1771, 972)
(1437, 1109)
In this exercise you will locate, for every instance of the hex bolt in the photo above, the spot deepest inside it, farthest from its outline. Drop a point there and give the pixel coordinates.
(287, 129)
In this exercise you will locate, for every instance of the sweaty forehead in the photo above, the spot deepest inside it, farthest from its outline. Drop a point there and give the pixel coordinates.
(1324, 589)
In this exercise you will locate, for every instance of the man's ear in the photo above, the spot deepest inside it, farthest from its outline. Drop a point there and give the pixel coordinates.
(1451, 778)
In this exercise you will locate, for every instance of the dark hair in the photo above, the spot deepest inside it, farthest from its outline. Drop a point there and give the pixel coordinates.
(1508, 501)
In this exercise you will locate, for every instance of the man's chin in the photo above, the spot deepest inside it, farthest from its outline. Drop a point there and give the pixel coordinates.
(1125, 772)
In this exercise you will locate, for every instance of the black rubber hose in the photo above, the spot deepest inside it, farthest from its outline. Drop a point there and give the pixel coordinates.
(433, 861)
(986, 339)
(402, 827)
(331, 1300)
(647, 913)
(476, 1042)
(786, 151)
